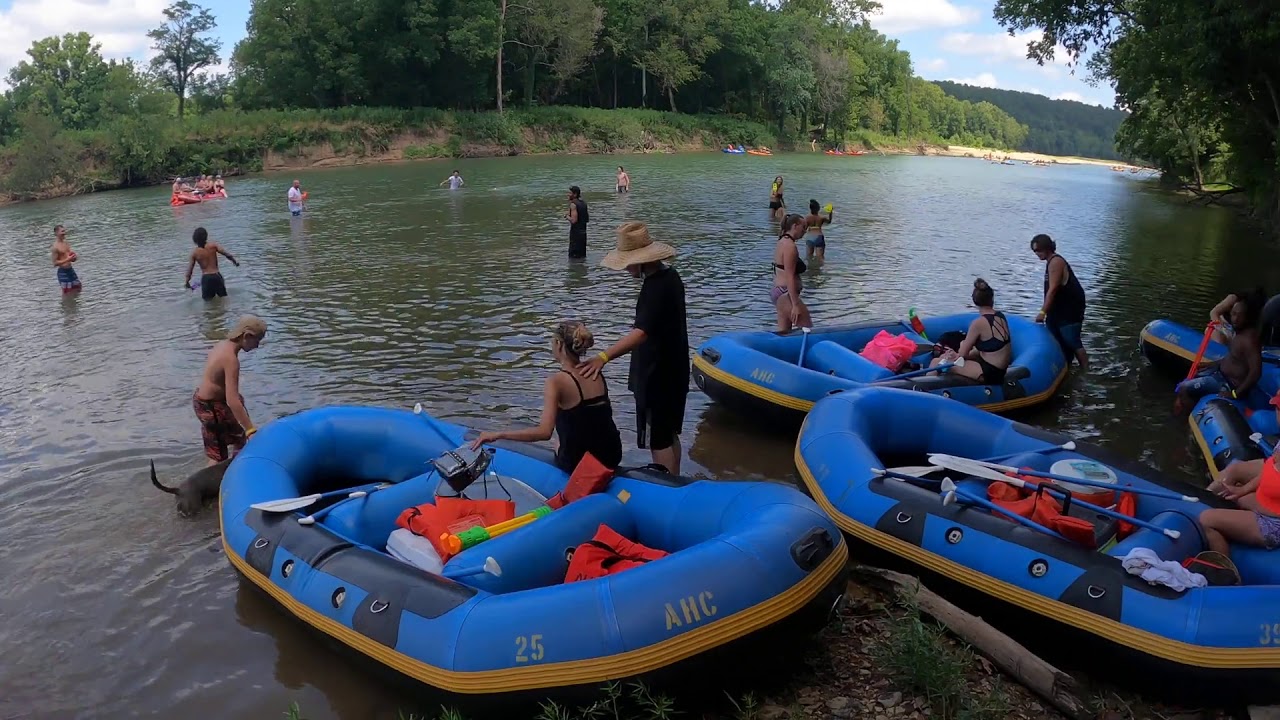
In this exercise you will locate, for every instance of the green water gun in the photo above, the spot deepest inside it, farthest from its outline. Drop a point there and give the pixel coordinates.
(471, 537)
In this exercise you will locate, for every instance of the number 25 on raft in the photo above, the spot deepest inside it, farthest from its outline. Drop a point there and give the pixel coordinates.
(692, 610)
(528, 648)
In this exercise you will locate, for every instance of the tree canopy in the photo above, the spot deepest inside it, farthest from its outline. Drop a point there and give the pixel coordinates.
(1199, 77)
(1055, 127)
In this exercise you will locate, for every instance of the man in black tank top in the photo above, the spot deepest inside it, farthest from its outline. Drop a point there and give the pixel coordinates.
(578, 217)
(1064, 302)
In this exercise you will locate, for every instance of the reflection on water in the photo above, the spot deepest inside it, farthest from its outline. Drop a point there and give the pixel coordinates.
(393, 291)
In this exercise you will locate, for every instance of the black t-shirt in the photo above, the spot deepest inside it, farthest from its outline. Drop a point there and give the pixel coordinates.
(580, 227)
(661, 363)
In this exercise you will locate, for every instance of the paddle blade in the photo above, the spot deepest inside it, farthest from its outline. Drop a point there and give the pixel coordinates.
(491, 566)
(287, 504)
(417, 408)
(915, 470)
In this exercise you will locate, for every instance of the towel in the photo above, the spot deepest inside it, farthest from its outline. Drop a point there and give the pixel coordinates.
(1144, 563)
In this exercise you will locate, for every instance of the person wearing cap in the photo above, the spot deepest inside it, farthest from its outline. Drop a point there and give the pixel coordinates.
(658, 343)
(578, 216)
(218, 404)
(1254, 485)
(63, 257)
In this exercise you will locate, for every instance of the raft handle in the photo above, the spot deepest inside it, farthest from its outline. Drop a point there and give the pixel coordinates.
(711, 354)
(374, 606)
(903, 518)
(1096, 592)
(809, 551)
(261, 543)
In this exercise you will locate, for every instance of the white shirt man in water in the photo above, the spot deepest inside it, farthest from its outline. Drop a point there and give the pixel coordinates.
(297, 203)
(455, 181)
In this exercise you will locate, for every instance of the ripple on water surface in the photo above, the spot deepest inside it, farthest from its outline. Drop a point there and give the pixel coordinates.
(393, 291)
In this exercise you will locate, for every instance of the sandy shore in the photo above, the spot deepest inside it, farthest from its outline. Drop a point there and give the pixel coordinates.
(1017, 156)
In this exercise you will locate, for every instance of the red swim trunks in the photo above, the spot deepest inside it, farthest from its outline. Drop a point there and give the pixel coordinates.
(218, 427)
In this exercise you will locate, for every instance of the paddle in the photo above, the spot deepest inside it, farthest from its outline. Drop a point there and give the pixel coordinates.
(921, 371)
(1020, 483)
(291, 504)
(313, 517)
(417, 410)
(976, 467)
(490, 566)
(1068, 445)
(950, 492)
(1262, 444)
(803, 341)
(918, 470)
(1204, 345)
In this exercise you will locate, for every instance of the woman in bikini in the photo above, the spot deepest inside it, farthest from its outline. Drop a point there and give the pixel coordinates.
(986, 348)
(777, 206)
(787, 268)
(815, 241)
(577, 409)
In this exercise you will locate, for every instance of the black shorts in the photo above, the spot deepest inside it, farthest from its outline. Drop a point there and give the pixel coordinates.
(212, 285)
(659, 418)
(775, 205)
(577, 245)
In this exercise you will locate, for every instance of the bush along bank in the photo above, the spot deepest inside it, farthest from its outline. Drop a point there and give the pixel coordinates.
(148, 150)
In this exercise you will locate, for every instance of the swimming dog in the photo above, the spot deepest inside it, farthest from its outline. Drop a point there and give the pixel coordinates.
(195, 491)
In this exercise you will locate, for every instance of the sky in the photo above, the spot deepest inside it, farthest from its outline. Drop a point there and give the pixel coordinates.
(948, 39)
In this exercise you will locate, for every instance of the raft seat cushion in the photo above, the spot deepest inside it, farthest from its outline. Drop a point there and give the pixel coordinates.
(533, 556)
(833, 358)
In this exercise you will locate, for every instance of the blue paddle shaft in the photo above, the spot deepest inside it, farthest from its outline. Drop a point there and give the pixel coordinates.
(915, 373)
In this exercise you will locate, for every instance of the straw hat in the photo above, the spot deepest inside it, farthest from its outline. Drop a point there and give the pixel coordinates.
(635, 247)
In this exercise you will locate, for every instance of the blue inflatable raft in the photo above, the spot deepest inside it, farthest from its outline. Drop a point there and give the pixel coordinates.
(733, 152)
(1219, 634)
(764, 376)
(1221, 427)
(749, 562)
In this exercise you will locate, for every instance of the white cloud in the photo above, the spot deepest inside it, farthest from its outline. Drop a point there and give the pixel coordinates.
(120, 26)
(933, 65)
(999, 47)
(985, 79)
(1068, 95)
(903, 16)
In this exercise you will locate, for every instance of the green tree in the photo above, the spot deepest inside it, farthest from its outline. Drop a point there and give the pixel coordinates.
(65, 78)
(44, 157)
(183, 49)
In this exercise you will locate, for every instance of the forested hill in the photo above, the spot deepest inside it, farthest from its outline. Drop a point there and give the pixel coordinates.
(1057, 127)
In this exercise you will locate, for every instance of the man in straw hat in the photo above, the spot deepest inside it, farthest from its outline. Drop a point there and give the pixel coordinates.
(658, 343)
(224, 421)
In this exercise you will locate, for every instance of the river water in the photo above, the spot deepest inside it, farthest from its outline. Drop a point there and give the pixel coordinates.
(393, 291)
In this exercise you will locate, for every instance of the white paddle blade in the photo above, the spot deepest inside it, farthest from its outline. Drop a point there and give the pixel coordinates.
(308, 520)
(949, 498)
(491, 566)
(948, 486)
(287, 504)
(358, 494)
(1255, 437)
(1069, 445)
(916, 470)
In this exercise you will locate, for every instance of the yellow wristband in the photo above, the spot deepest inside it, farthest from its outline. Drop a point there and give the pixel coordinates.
(249, 433)
(604, 356)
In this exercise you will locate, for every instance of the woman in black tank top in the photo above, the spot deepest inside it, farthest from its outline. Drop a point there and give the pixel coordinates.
(577, 409)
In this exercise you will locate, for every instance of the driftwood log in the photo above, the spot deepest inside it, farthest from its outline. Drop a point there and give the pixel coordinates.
(1054, 686)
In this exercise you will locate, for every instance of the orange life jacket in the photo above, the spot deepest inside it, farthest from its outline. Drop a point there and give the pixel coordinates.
(431, 520)
(608, 553)
(588, 478)
(1269, 486)
(1043, 509)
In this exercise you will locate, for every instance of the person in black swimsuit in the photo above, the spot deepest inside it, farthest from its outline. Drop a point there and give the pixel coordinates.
(777, 205)
(578, 410)
(787, 269)
(578, 217)
(986, 347)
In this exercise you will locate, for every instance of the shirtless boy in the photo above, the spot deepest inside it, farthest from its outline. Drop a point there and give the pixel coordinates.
(206, 254)
(224, 421)
(1234, 375)
(63, 256)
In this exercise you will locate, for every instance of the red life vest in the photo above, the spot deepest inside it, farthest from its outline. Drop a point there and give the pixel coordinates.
(608, 553)
(1043, 509)
(431, 520)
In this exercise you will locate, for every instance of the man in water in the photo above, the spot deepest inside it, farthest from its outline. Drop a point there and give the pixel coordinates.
(296, 202)
(624, 181)
(219, 406)
(206, 254)
(1063, 309)
(1234, 375)
(578, 217)
(455, 181)
(63, 256)
(658, 343)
